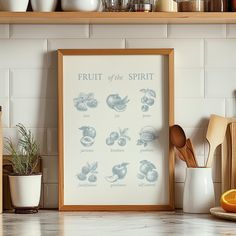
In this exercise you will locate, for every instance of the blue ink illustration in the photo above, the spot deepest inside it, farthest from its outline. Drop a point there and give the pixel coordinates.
(88, 172)
(120, 137)
(147, 135)
(85, 101)
(89, 134)
(148, 99)
(118, 172)
(115, 102)
(147, 171)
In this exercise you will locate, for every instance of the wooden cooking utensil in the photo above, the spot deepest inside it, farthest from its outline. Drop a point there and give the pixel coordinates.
(233, 160)
(178, 139)
(179, 154)
(215, 135)
(191, 148)
(226, 162)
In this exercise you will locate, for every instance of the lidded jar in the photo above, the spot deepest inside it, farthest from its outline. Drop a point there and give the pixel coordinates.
(191, 5)
(218, 5)
(166, 5)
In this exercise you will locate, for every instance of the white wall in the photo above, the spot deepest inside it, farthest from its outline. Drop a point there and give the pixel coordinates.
(205, 83)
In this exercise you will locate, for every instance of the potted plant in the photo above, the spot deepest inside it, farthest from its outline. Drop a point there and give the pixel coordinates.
(25, 183)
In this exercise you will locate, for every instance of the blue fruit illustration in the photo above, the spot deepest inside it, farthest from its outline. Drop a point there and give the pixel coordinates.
(109, 141)
(152, 176)
(115, 102)
(147, 135)
(92, 178)
(87, 141)
(85, 100)
(114, 136)
(88, 131)
(118, 172)
(122, 141)
(150, 101)
(92, 103)
(145, 108)
(82, 176)
(144, 99)
(85, 170)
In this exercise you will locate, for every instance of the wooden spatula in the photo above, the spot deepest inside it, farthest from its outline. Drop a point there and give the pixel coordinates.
(215, 135)
(233, 160)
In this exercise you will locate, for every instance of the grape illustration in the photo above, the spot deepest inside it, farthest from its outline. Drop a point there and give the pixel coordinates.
(83, 101)
(92, 103)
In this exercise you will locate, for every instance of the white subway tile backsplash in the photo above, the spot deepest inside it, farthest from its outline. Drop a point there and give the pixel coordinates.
(195, 113)
(196, 31)
(4, 31)
(39, 134)
(55, 44)
(220, 53)
(221, 82)
(188, 52)
(42, 83)
(4, 83)
(189, 83)
(128, 31)
(4, 103)
(52, 141)
(50, 169)
(49, 31)
(231, 107)
(50, 195)
(40, 113)
(19, 53)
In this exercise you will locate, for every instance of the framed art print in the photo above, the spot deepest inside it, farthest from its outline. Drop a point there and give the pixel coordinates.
(115, 110)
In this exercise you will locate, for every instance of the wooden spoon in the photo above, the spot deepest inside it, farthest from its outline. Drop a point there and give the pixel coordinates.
(191, 148)
(178, 139)
(215, 135)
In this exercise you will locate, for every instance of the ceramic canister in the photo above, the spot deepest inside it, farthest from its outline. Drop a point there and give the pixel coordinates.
(80, 5)
(44, 5)
(199, 194)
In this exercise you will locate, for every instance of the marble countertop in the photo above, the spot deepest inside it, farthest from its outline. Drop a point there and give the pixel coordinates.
(113, 224)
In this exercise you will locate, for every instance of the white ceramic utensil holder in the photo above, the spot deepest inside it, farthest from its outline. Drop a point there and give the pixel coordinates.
(199, 195)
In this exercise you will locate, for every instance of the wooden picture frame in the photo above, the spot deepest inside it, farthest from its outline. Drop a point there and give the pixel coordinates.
(134, 185)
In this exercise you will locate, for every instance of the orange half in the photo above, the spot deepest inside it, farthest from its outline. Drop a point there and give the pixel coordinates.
(228, 201)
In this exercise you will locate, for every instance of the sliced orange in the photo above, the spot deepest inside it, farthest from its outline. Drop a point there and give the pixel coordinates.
(228, 200)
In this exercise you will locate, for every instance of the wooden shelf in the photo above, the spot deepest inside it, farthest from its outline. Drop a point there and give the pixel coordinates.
(116, 18)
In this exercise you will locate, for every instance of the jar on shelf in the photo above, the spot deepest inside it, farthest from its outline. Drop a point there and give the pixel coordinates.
(218, 5)
(191, 5)
(141, 5)
(166, 6)
(233, 5)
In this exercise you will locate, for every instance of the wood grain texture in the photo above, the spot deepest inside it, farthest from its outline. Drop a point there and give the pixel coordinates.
(117, 17)
(1, 154)
(169, 53)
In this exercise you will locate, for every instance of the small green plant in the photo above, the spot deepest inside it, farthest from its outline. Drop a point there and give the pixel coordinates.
(25, 154)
